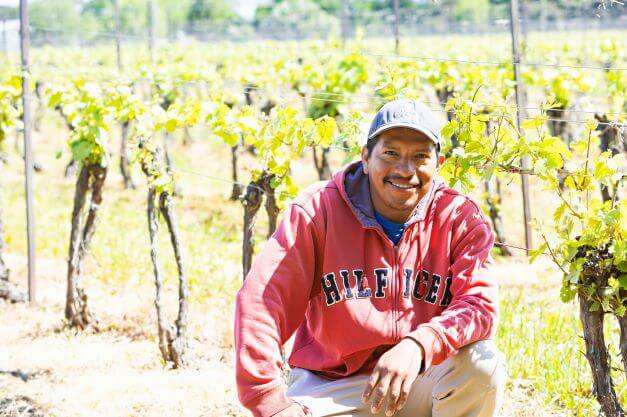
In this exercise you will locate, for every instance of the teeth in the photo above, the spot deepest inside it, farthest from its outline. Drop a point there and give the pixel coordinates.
(404, 187)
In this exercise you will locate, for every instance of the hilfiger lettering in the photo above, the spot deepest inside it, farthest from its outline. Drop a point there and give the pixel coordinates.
(423, 285)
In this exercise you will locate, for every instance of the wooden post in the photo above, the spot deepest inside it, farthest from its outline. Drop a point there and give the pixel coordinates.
(396, 29)
(5, 49)
(543, 15)
(28, 159)
(344, 21)
(116, 17)
(520, 104)
(524, 23)
(151, 29)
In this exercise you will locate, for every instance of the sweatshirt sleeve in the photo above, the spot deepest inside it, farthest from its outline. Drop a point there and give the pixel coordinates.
(473, 312)
(269, 307)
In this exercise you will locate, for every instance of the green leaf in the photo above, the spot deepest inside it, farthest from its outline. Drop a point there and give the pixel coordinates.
(81, 149)
(567, 293)
(534, 253)
(325, 128)
(171, 125)
(290, 186)
(573, 276)
(601, 170)
(532, 124)
(449, 129)
(559, 212)
(579, 147)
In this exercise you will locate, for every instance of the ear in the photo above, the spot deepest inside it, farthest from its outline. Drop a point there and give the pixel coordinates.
(441, 159)
(364, 159)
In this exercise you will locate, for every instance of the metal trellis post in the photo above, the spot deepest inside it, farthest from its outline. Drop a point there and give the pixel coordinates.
(28, 159)
(520, 112)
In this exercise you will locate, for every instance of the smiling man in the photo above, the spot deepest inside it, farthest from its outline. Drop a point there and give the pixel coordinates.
(383, 273)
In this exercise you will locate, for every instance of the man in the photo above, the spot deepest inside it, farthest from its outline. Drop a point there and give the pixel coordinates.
(383, 274)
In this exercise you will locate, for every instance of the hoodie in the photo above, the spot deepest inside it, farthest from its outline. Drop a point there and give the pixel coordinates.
(330, 274)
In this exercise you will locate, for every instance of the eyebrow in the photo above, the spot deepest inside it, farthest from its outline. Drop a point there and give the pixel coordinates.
(394, 146)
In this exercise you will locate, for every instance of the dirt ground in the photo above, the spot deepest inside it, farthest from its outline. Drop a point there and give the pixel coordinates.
(47, 370)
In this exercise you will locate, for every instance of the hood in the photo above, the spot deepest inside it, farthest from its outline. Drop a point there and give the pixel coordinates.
(354, 187)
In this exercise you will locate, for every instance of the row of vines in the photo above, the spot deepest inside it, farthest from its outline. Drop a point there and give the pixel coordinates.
(281, 105)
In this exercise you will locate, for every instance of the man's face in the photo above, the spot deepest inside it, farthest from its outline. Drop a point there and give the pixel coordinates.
(400, 170)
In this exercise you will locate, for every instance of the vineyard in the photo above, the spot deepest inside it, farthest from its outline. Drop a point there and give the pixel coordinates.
(158, 179)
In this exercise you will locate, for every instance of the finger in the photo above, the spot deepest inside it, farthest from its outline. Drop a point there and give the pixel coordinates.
(372, 382)
(394, 392)
(307, 411)
(405, 390)
(379, 394)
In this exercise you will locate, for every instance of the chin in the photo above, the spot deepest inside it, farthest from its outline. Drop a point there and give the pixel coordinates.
(403, 208)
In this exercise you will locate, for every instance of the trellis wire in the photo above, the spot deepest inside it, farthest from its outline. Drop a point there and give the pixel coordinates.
(361, 52)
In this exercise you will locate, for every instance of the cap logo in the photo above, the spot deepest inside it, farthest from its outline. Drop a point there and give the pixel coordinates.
(404, 111)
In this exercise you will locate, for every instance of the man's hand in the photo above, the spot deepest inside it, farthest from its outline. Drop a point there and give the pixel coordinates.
(294, 410)
(393, 377)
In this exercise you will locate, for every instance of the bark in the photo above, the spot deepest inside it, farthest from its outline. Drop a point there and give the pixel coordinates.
(11, 293)
(41, 106)
(248, 93)
(252, 203)
(610, 141)
(622, 324)
(322, 164)
(179, 353)
(124, 159)
(165, 330)
(187, 136)
(493, 198)
(444, 95)
(558, 124)
(557, 128)
(70, 169)
(271, 206)
(90, 180)
(267, 107)
(598, 358)
(98, 176)
(237, 189)
(176, 189)
(172, 337)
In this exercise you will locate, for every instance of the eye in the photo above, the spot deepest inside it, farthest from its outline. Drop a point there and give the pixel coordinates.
(390, 153)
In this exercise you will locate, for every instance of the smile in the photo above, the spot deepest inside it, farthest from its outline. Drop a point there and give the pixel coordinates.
(401, 186)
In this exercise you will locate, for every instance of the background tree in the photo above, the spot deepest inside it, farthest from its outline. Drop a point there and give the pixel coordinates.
(298, 18)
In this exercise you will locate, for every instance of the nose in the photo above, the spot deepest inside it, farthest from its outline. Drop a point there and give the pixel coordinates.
(405, 167)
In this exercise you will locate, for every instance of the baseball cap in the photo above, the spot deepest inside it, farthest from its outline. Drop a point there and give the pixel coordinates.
(407, 113)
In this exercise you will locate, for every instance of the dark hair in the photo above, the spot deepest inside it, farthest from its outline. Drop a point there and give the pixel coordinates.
(373, 141)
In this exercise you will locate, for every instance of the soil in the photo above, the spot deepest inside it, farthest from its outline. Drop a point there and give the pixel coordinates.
(49, 370)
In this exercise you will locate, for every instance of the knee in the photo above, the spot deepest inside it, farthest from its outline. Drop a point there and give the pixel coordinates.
(484, 365)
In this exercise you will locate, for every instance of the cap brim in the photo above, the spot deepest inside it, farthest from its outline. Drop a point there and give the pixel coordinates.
(425, 131)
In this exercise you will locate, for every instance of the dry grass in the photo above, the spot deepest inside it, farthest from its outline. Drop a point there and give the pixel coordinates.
(118, 371)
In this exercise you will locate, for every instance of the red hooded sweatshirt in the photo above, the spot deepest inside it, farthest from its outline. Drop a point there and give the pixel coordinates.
(331, 274)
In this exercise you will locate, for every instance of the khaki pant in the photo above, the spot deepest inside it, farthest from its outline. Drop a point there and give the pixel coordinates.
(469, 384)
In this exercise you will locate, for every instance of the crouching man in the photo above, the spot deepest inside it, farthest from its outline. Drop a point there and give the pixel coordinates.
(383, 273)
